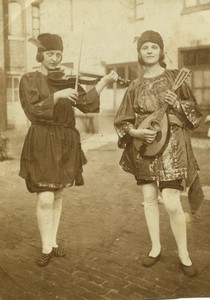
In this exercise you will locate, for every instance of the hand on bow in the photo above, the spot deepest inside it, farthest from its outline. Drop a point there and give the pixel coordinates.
(68, 93)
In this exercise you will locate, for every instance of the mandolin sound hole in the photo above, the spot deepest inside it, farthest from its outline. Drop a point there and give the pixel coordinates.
(155, 125)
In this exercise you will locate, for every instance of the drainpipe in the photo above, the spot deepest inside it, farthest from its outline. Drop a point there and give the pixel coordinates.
(3, 46)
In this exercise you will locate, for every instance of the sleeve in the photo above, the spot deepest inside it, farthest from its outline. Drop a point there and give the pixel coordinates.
(125, 118)
(33, 106)
(188, 107)
(88, 102)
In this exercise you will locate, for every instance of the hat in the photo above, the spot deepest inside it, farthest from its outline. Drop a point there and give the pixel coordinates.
(150, 36)
(50, 41)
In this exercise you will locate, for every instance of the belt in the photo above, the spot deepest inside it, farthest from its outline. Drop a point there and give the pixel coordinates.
(63, 125)
(43, 122)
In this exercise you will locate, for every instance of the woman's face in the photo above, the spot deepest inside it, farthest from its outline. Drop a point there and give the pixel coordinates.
(150, 53)
(52, 59)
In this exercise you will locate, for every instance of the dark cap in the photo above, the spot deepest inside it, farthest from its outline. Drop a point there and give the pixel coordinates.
(50, 41)
(150, 36)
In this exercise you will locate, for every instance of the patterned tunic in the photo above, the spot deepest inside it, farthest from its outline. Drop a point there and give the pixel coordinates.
(143, 97)
(52, 157)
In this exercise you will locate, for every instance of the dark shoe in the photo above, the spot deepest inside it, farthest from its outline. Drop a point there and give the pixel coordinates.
(59, 251)
(149, 261)
(44, 259)
(189, 270)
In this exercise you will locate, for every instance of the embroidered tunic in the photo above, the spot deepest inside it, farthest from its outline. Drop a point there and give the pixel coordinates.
(52, 157)
(143, 97)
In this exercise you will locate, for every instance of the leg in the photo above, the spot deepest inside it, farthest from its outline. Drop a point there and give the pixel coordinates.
(151, 212)
(58, 251)
(178, 222)
(57, 208)
(45, 219)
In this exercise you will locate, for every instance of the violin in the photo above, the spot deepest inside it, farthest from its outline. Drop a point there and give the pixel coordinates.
(61, 79)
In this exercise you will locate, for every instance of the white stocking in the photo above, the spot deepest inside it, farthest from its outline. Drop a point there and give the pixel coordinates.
(57, 208)
(151, 212)
(171, 198)
(45, 219)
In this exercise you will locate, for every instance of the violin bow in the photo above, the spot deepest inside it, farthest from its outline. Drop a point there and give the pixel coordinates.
(79, 60)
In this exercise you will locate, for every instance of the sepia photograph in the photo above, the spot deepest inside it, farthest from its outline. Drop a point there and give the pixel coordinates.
(104, 149)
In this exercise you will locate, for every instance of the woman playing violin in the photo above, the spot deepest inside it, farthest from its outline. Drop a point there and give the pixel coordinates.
(175, 164)
(52, 158)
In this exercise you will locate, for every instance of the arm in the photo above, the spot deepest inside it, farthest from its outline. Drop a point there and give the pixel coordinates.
(110, 78)
(30, 99)
(125, 122)
(31, 92)
(185, 104)
(90, 101)
(188, 107)
(125, 118)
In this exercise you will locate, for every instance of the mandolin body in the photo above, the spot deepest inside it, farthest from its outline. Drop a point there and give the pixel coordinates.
(162, 133)
(158, 121)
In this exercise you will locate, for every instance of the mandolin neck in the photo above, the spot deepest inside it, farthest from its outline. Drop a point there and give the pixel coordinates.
(162, 110)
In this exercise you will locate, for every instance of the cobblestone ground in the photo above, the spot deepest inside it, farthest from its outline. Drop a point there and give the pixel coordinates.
(104, 231)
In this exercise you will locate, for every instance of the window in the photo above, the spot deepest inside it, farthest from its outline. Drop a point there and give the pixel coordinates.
(135, 9)
(128, 71)
(196, 57)
(13, 88)
(198, 61)
(191, 6)
(138, 10)
(15, 18)
(35, 19)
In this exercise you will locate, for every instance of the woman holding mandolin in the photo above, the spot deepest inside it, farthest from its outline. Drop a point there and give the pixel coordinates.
(52, 158)
(153, 123)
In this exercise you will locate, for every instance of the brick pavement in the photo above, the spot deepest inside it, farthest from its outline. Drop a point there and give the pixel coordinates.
(104, 231)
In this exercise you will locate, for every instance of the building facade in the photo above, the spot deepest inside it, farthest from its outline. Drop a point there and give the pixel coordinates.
(13, 58)
(104, 31)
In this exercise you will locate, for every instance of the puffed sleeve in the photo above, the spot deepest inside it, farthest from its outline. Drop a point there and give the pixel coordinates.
(30, 98)
(125, 118)
(88, 102)
(189, 106)
(188, 111)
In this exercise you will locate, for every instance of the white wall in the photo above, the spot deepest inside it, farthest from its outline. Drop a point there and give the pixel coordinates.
(108, 33)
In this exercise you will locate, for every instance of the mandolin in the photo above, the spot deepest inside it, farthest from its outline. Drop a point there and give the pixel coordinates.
(158, 121)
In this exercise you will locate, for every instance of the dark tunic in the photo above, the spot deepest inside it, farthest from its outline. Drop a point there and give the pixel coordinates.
(52, 157)
(143, 97)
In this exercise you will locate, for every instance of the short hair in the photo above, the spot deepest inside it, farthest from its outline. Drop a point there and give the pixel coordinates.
(40, 56)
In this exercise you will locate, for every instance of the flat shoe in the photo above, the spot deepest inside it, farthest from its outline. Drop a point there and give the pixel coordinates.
(189, 270)
(59, 251)
(149, 261)
(44, 259)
